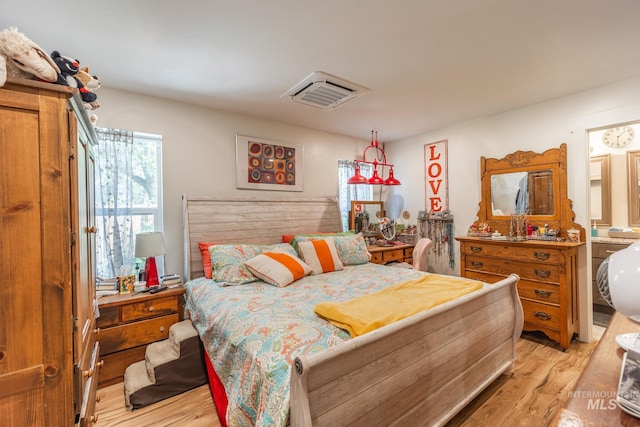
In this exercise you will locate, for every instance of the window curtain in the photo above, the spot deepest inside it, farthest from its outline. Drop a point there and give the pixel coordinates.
(349, 192)
(114, 202)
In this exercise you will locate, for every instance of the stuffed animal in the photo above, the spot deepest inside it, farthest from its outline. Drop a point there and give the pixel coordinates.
(25, 59)
(91, 83)
(69, 69)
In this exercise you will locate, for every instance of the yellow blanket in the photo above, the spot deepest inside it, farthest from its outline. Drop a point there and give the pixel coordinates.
(366, 313)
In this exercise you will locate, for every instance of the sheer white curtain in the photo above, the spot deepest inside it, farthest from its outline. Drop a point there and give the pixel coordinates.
(349, 192)
(115, 238)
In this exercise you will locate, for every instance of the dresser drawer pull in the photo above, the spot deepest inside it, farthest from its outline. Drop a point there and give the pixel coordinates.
(161, 328)
(88, 373)
(476, 249)
(476, 264)
(543, 273)
(609, 251)
(542, 315)
(542, 255)
(93, 419)
(151, 308)
(543, 294)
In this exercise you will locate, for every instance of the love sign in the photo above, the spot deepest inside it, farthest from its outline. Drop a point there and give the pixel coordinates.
(435, 177)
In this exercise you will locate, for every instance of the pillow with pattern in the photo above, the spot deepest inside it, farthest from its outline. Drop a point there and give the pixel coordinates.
(351, 248)
(227, 261)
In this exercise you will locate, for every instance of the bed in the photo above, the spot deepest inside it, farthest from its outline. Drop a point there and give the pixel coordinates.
(422, 369)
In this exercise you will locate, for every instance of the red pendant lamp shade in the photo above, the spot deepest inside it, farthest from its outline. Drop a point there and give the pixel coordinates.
(357, 178)
(376, 179)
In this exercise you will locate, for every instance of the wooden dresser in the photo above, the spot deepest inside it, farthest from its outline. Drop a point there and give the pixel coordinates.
(129, 322)
(48, 349)
(387, 254)
(548, 279)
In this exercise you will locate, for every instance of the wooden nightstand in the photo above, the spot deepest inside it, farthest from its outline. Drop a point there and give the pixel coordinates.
(387, 254)
(129, 322)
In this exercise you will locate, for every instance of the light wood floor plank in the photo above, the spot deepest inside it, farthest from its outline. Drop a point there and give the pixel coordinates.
(530, 395)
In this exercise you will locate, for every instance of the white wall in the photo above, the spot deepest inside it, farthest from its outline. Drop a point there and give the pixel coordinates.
(536, 128)
(199, 153)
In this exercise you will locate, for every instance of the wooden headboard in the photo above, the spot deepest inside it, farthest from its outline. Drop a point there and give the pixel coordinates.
(244, 220)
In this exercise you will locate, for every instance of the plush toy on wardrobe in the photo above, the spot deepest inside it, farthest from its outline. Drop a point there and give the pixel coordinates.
(91, 83)
(24, 59)
(69, 69)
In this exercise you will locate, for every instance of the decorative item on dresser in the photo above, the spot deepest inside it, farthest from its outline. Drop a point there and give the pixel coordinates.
(546, 263)
(48, 350)
(129, 322)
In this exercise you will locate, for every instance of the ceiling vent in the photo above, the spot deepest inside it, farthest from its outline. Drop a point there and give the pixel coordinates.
(322, 90)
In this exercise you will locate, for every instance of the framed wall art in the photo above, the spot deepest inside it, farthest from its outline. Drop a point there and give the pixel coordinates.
(263, 164)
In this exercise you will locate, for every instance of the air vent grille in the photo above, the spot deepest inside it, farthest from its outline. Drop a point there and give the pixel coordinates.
(324, 91)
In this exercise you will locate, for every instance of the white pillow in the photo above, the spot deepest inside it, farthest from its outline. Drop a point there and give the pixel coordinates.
(277, 268)
(320, 255)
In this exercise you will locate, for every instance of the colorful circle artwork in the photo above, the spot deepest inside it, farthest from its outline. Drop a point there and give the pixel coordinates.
(271, 164)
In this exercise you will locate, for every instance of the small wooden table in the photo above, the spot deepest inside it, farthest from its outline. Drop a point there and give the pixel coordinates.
(592, 402)
(387, 254)
(129, 322)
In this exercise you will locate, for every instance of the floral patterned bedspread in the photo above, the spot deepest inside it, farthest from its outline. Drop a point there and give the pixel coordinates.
(253, 332)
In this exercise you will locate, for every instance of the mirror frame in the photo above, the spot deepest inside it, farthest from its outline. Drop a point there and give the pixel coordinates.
(633, 187)
(554, 159)
(602, 162)
(352, 217)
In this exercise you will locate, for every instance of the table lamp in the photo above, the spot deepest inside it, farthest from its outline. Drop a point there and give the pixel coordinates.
(618, 280)
(149, 246)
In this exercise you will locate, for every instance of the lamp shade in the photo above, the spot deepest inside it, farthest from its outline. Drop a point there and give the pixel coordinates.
(618, 280)
(149, 244)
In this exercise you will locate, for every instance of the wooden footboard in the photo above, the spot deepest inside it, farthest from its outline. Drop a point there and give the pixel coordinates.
(423, 369)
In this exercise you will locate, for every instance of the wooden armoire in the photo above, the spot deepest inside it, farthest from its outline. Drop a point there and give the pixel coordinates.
(48, 348)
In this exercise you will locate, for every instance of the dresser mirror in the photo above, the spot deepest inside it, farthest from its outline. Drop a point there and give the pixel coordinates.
(524, 192)
(367, 210)
(633, 172)
(527, 182)
(600, 188)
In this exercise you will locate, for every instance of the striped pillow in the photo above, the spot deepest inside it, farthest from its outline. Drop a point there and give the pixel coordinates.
(320, 255)
(277, 268)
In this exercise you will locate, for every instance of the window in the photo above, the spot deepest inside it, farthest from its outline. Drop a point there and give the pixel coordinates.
(349, 192)
(128, 197)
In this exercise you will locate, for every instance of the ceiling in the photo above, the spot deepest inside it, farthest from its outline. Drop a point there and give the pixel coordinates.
(426, 63)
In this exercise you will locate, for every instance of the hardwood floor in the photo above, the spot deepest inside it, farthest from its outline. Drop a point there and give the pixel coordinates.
(530, 395)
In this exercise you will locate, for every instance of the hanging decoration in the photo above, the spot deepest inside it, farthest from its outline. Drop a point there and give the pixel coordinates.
(436, 222)
(436, 181)
(439, 227)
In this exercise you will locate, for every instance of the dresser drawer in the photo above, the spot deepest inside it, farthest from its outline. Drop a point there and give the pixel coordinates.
(376, 257)
(389, 256)
(142, 310)
(526, 270)
(515, 252)
(539, 314)
(603, 250)
(135, 334)
(539, 291)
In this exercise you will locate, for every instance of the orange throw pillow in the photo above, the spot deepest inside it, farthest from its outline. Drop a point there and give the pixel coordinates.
(206, 258)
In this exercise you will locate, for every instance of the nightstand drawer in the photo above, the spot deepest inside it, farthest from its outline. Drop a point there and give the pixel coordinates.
(150, 308)
(376, 258)
(135, 334)
(388, 256)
